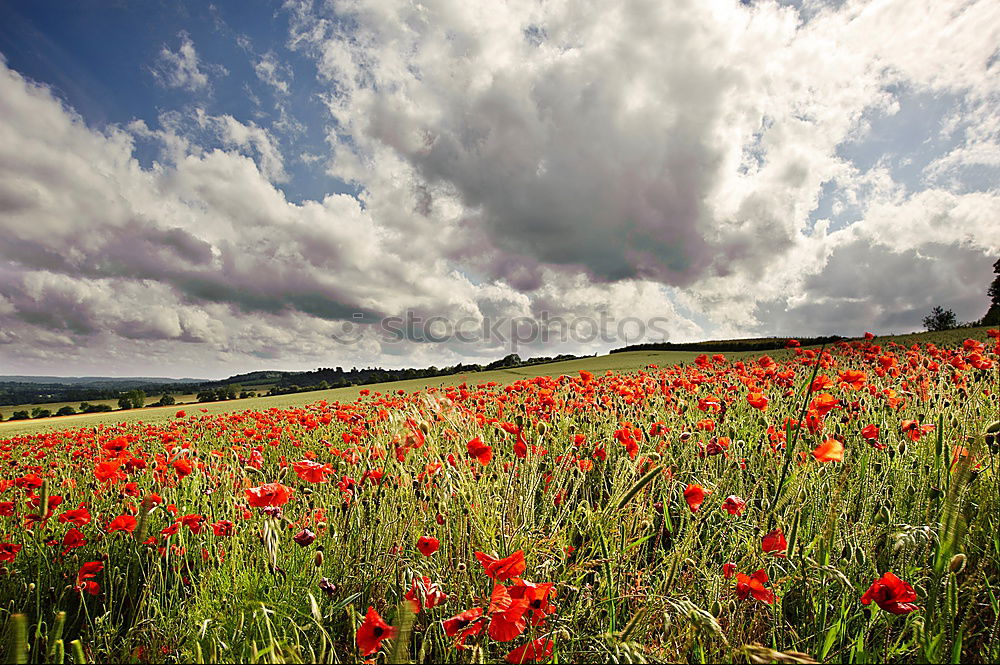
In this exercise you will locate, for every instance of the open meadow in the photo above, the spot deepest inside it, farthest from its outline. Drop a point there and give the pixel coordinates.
(833, 506)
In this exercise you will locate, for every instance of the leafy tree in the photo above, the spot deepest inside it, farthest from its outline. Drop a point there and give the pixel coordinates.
(940, 319)
(39, 412)
(66, 411)
(132, 399)
(992, 317)
(20, 415)
(166, 400)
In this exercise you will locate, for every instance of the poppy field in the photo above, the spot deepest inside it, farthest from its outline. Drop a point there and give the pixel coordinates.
(838, 504)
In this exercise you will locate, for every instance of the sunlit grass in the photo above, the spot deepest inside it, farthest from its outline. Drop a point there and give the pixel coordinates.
(638, 576)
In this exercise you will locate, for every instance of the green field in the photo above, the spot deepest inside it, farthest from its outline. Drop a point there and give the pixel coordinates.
(812, 508)
(618, 362)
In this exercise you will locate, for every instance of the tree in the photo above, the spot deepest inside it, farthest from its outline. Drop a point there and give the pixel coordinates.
(20, 415)
(132, 399)
(39, 412)
(166, 400)
(940, 319)
(66, 411)
(992, 317)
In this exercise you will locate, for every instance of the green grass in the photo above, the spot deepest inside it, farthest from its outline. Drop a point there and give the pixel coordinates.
(615, 362)
(618, 362)
(645, 581)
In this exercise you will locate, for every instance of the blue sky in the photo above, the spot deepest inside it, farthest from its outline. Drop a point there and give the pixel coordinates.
(192, 188)
(98, 57)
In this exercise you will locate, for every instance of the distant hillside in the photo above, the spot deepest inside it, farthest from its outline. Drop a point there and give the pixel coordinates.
(96, 381)
(728, 345)
(252, 378)
(338, 377)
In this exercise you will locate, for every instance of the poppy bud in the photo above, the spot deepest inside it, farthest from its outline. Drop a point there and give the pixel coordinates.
(424, 428)
(282, 473)
(542, 428)
(318, 560)
(461, 567)
(716, 608)
(957, 563)
(902, 447)
(883, 516)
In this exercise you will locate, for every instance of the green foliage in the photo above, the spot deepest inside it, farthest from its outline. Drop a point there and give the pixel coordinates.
(940, 319)
(132, 399)
(643, 583)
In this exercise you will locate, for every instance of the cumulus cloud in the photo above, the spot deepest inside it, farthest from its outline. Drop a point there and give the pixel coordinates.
(722, 166)
(684, 145)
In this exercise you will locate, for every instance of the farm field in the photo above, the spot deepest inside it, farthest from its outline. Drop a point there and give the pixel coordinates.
(611, 362)
(800, 506)
(614, 362)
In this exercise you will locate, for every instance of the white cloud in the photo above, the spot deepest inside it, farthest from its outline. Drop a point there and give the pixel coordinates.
(641, 159)
(273, 72)
(183, 68)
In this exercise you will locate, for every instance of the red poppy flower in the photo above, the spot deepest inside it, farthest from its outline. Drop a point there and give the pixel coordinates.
(425, 594)
(125, 523)
(830, 450)
(774, 543)
(537, 598)
(180, 414)
(695, 496)
(891, 594)
(869, 432)
(86, 575)
(747, 585)
(915, 430)
(820, 383)
(824, 403)
(506, 615)
(271, 494)
(852, 378)
(503, 569)
(79, 516)
(371, 633)
(109, 472)
(73, 538)
(534, 651)
(428, 545)
(733, 504)
(464, 625)
(728, 569)
(482, 452)
(223, 528)
(193, 522)
(8, 551)
(757, 401)
(312, 472)
(183, 467)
